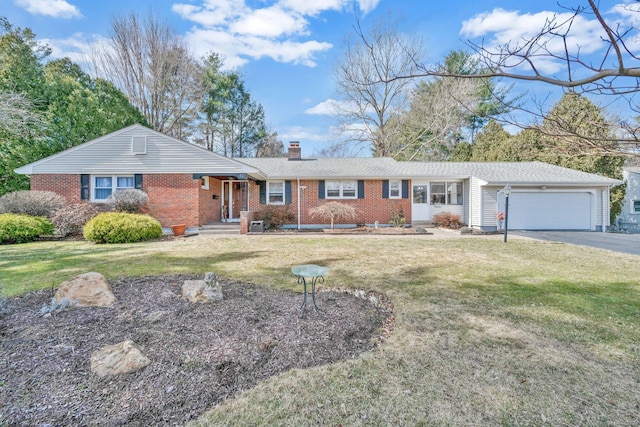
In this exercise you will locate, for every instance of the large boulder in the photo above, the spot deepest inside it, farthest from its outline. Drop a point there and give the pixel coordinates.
(206, 290)
(117, 359)
(89, 289)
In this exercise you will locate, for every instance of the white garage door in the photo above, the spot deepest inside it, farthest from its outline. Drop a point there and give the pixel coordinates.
(550, 211)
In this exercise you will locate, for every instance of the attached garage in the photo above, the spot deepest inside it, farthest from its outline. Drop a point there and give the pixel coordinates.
(549, 210)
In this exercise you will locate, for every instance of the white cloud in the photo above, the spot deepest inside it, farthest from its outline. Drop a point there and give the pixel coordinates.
(80, 48)
(299, 133)
(260, 22)
(279, 29)
(501, 27)
(53, 8)
(330, 107)
(367, 5)
(237, 49)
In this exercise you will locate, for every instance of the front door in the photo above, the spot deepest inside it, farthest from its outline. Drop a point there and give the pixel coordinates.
(420, 207)
(234, 200)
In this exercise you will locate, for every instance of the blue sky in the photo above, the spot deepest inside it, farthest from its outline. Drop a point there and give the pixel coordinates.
(286, 50)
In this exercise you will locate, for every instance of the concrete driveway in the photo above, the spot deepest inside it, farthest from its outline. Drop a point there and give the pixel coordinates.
(626, 243)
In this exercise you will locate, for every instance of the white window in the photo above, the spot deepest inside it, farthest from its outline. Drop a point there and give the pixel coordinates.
(104, 186)
(635, 207)
(454, 193)
(275, 192)
(341, 189)
(394, 190)
(446, 193)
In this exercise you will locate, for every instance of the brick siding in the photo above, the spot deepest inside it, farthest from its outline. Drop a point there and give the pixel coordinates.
(179, 199)
(68, 186)
(373, 207)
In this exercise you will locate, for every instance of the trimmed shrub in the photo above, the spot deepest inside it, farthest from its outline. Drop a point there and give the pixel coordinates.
(129, 200)
(23, 228)
(275, 216)
(34, 203)
(70, 219)
(447, 220)
(121, 227)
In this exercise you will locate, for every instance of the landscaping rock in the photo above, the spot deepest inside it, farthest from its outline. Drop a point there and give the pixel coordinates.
(89, 289)
(117, 359)
(206, 290)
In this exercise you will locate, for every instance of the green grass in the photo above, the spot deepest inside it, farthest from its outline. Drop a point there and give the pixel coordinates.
(486, 333)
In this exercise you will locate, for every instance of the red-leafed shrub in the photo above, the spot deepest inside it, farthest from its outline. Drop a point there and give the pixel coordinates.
(447, 220)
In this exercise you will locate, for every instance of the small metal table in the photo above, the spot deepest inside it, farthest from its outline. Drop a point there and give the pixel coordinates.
(315, 273)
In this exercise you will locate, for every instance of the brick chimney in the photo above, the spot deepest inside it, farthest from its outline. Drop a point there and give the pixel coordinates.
(295, 153)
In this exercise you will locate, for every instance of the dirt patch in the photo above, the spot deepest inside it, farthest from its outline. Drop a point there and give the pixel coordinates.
(201, 354)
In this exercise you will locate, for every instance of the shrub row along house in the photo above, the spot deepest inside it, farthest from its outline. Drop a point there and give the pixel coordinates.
(188, 184)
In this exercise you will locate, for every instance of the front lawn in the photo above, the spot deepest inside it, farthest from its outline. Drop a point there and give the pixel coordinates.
(486, 333)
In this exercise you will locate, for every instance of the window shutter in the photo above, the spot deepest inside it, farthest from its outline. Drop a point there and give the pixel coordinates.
(361, 189)
(84, 187)
(138, 181)
(385, 189)
(405, 188)
(287, 192)
(321, 193)
(263, 192)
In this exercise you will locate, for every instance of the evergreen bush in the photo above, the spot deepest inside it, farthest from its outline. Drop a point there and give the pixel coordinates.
(121, 227)
(34, 203)
(23, 228)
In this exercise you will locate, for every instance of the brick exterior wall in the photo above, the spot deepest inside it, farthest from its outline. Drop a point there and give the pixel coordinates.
(179, 199)
(373, 207)
(209, 207)
(68, 186)
(173, 198)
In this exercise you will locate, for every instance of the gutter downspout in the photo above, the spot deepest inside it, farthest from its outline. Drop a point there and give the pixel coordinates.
(298, 187)
(605, 208)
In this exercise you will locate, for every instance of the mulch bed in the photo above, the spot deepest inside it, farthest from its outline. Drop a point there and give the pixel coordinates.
(201, 354)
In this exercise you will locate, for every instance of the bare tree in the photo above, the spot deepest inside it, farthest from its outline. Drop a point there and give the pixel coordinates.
(615, 73)
(18, 115)
(271, 146)
(151, 64)
(368, 81)
(431, 128)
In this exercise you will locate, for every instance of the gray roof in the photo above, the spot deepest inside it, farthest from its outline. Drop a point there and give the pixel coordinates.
(634, 169)
(322, 168)
(112, 153)
(498, 173)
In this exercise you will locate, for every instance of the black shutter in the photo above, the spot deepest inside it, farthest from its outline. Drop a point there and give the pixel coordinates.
(138, 181)
(263, 192)
(405, 188)
(84, 187)
(385, 189)
(287, 192)
(361, 189)
(321, 194)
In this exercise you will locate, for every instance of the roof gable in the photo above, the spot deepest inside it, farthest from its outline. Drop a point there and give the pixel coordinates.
(135, 149)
